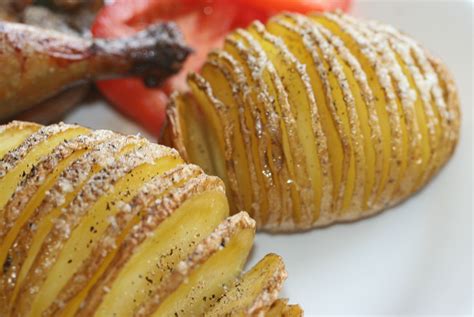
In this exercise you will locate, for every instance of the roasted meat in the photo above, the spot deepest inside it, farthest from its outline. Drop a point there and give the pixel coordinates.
(38, 63)
(55, 108)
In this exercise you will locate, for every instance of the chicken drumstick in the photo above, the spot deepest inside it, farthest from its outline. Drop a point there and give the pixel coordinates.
(36, 64)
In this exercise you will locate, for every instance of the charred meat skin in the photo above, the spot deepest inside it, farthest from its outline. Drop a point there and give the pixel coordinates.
(36, 63)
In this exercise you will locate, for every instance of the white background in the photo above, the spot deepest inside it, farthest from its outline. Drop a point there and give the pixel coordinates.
(413, 259)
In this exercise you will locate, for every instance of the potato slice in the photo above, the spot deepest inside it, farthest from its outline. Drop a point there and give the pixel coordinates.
(451, 114)
(406, 102)
(387, 109)
(238, 83)
(299, 43)
(286, 67)
(267, 164)
(228, 111)
(242, 171)
(435, 108)
(187, 133)
(70, 241)
(14, 133)
(291, 73)
(19, 162)
(107, 267)
(29, 195)
(425, 123)
(254, 291)
(217, 135)
(281, 308)
(342, 108)
(341, 105)
(242, 123)
(367, 115)
(336, 112)
(279, 110)
(113, 225)
(332, 119)
(31, 236)
(177, 226)
(31, 191)
(438, 117)
(198, 281)
(175, 132)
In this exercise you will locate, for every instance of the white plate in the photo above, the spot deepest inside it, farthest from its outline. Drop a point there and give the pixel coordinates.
(413, 259)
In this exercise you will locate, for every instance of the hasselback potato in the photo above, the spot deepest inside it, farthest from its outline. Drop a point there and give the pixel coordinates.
(311, 120)
(93, 223)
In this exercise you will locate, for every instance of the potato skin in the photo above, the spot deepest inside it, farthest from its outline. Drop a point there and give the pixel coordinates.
(383, 118)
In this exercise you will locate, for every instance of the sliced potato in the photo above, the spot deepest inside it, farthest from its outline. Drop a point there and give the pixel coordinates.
(255, 291)
(199, 281)
(385, 98)
(289, 72)
(343, 110)
(339, 150)
(249, 54)
(92, 274)
(452, 112)
(72, 239)
(17, 163)
(188, 132)
(258, 132)
(361, 115)
(14, 133)
(405, 98)
(103, 224)
(426, 141)
(32, 234)
(217, 134)
(156, 247)
(281, 308)
(367, 115)
(31, 191)
(226, 89)
(249, 121)
(436, 109)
